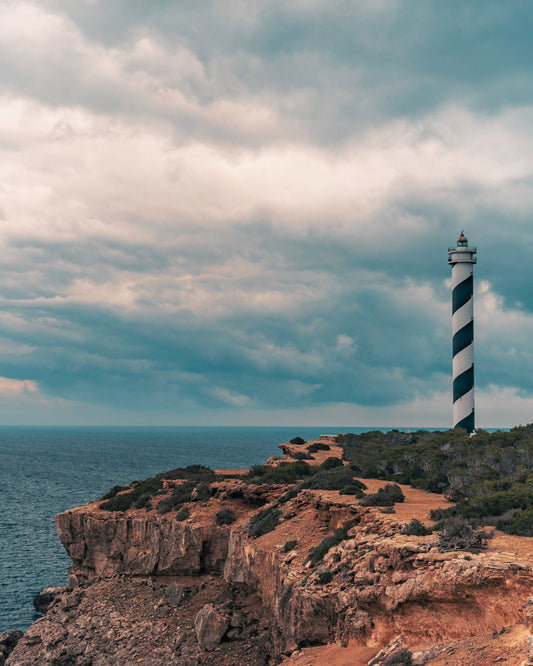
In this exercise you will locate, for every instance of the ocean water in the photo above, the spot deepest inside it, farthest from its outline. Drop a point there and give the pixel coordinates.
(46, 470)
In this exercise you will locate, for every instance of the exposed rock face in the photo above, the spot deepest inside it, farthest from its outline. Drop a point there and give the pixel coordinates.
(103, 544)
(42, 601)
(148, 589)
(8, 642)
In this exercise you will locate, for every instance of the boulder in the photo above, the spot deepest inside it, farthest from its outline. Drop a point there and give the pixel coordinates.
(8, 641)
(210, 626)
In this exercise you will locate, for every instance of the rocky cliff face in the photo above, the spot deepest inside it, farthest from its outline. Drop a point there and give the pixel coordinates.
(101, 544)
(149, 589)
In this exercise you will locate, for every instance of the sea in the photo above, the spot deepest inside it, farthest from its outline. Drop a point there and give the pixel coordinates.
(46, 470)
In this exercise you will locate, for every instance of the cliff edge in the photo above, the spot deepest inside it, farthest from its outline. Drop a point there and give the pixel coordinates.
(264, 573)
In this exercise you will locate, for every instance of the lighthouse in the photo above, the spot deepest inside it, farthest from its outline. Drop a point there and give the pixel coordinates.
(462, 260)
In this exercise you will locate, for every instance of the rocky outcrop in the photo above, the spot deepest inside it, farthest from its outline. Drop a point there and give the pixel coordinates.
(194, 592)
(42, 601)
(8, 642)
(106, 544)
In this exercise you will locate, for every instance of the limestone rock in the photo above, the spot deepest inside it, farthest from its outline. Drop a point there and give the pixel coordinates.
(8, 642)
(210, 626)
(42, 601)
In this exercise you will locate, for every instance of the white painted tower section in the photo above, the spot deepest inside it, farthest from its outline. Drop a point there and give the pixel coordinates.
(462, 260)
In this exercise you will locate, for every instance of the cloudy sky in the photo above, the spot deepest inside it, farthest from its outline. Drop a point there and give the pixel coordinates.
(238, 212)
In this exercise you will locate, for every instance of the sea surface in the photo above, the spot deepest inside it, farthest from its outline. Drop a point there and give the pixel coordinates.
(46, 470)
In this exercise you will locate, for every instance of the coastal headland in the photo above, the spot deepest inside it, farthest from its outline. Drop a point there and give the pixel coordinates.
(279, 565)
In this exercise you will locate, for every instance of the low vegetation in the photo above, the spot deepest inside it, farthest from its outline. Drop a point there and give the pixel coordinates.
(290, 545)
(140, 493)
(264, 521)
(416, 528)
(338, 536)
(225, 516)
(318, 446)
(489, 476)
(386, 496)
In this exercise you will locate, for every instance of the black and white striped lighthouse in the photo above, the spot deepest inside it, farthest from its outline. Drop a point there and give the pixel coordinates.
(462, 260)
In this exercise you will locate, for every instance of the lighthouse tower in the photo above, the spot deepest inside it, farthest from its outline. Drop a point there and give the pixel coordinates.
(462, 260)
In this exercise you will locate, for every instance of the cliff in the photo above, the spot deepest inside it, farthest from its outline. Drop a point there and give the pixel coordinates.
(150, 589)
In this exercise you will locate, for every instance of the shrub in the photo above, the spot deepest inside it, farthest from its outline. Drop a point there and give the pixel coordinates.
(416, 528)
(225, 516)
(290, 494)
(457, 534)
(114, 491)
(330, 463)
(289, 546)
(518, 522)
(297, 440)
(143, 502)
(302, 455)
(401, 658)
(325, 577)
(126, 500)
(180, 494)
(351, 489)
(192, 473)
(318, 446)
(183, 514)
(289, 472)
(386, 496)
(387, 509)
(202, 492)
(339, 535)
(332, 479)
(263, 522)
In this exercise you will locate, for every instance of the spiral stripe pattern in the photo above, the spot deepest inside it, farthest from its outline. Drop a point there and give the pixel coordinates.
(462, 262)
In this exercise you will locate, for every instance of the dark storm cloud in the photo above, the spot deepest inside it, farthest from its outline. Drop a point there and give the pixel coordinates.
(247, 205)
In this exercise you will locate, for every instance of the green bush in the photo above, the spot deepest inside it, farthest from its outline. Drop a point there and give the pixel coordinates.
(191, 473)
(333, 479)
(302, 455)
(126, 500)
(225, 516)
(518, 522)
(289, 546)
(288, 472)
(183, 514)
(297, 440)
(202, 492)
(457, 534)
(263, 521)
(386, 496)
(401, 658)
(180, 494)
(330, 463)
(416, 528)
(352, 489)
(325, 577)
(318, 446)
(339, 535)
(290, 494)
(113, 492)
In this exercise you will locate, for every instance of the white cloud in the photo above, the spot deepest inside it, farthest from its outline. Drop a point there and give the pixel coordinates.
(16, 386)
(230, 397)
